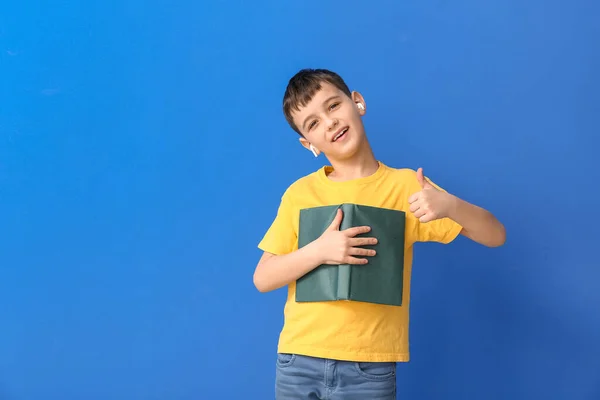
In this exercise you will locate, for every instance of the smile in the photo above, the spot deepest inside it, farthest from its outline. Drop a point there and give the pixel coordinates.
(340, 134)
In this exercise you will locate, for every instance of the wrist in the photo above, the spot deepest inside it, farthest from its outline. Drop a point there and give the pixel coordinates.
(313, 254)
(453, 206)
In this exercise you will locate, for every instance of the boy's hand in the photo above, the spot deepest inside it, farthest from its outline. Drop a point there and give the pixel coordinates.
(430, 203)
(340, 247)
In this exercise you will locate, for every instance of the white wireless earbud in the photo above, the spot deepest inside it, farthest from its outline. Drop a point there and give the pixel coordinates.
(314, 151)
(360, 106)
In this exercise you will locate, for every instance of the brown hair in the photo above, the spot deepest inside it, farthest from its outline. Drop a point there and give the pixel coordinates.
(303, 86)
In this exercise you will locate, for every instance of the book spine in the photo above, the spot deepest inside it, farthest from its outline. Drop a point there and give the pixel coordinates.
(344, 270)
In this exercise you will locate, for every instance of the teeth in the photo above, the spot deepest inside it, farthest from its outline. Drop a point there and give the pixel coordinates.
(339, 134)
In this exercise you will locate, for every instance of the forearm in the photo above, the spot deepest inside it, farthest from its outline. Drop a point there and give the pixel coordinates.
(274, 271)
(478, 224)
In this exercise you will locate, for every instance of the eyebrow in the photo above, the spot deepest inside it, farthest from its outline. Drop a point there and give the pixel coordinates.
(325, 102)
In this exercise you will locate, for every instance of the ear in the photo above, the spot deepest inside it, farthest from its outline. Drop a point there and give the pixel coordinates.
(360, 103)
(306, 144)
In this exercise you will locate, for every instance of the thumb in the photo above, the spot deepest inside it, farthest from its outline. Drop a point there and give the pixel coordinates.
(422, 181)
(335, 225)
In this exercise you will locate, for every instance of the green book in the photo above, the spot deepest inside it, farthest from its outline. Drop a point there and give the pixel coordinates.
(380, 281)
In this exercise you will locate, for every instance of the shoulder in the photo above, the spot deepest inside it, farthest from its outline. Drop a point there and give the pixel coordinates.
(402, 172)
(301, 185)
(402, 176)
(407, 177)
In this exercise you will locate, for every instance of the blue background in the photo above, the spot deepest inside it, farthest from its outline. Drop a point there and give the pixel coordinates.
(143, 154)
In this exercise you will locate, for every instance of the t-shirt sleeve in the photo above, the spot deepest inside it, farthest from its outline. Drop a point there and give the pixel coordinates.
(443, 230)
(281, 236)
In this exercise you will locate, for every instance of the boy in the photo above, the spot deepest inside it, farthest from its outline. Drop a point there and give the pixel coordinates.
(348, 349)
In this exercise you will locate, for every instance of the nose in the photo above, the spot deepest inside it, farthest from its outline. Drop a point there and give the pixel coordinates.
(332, 123)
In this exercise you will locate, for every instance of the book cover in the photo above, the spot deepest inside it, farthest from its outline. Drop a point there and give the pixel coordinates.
(380, 281)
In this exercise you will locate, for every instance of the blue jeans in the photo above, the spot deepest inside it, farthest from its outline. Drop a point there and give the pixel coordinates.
(308, 378)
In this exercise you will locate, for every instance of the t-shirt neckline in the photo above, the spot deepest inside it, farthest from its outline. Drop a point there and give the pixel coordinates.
(352, 182)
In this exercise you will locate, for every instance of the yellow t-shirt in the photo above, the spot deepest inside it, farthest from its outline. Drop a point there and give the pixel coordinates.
(349, 330)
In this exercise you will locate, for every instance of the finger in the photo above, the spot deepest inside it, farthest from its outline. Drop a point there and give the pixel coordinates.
(414, 197)
(363, 241)
(421, 178)
(335, 224)
(423, 181)
(357, 251)
(426, 218)
(420, 212)
(414, 207)
(355, 260)
(357, 230)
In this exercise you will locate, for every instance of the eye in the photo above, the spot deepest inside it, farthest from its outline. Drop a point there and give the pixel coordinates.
(312, 124)
(333, 106)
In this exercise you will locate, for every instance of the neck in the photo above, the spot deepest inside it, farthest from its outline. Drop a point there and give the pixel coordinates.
(360, 165)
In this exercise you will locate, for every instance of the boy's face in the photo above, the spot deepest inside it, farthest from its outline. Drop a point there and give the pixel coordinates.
(332, 123)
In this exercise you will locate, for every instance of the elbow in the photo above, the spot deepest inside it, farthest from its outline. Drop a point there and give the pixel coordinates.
(259, 284)
(261, 289)
(261, 276)
(499, 238)
(496, 243)
(491, 238)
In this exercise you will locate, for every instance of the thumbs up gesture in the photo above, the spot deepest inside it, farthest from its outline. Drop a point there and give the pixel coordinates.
(430, 203)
